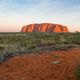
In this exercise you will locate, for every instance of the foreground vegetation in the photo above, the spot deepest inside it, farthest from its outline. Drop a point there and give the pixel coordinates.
(12, 44)
(77, 72)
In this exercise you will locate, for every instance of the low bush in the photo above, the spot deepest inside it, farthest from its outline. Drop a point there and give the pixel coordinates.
(15, 43)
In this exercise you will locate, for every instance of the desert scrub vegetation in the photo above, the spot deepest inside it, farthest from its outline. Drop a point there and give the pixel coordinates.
(77, 72)
(12, 44)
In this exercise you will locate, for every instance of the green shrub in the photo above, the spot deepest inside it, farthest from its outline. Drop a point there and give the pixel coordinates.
(13, 43)
(77, 73)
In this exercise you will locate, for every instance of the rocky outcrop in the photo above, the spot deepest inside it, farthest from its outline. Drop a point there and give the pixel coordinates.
(44, 27)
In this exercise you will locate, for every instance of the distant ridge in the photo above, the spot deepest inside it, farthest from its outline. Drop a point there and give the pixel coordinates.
(44, 27)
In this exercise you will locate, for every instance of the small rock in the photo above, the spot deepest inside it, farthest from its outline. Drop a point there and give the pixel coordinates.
(56, 62)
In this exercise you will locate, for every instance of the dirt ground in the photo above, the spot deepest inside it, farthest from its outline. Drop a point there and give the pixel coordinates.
(55, 65)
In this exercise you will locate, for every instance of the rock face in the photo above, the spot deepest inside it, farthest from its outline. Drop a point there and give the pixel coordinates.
(44, 27)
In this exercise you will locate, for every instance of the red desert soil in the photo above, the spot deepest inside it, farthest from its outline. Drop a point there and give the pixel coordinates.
(41, 66)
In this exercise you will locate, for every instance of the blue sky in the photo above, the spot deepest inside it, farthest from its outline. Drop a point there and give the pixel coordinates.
(16, 13)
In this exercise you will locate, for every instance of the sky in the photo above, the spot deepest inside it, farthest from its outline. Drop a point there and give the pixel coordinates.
(16, 13)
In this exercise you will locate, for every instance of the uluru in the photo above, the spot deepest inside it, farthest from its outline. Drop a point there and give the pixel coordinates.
(44, 27)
